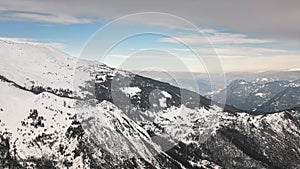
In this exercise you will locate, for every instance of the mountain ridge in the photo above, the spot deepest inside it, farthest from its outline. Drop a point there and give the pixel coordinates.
(123, 120)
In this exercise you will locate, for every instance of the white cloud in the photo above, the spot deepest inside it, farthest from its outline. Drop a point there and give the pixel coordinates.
(240, 50)
(47, 18)
(278, 19)
(222, 43)
(226, 50)
(246, 63)
(260, 63)
(215, 38)
(294, 69)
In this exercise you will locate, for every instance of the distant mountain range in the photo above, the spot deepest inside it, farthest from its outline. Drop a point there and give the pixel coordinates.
(261, 96)
(207, 83)
(57, 111)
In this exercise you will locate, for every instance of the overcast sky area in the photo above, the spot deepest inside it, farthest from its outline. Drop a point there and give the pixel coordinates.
(247, 36)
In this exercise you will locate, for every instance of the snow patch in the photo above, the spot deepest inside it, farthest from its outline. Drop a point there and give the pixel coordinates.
(260, 94)
(131, 91)
(166, 94)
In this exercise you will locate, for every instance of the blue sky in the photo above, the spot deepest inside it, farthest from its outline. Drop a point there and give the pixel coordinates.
(216, 36)
(70, 38)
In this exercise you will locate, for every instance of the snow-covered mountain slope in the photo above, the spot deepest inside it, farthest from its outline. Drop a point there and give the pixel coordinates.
(261, 95)
(44, 68)
(40, 94)
(286, 99)
(46, 128)
(248, 141)
(35, 65)
(84, 114)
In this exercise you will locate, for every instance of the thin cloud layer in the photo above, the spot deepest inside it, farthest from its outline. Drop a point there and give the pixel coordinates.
(271, 18)
(43, 17)
(216, 38)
